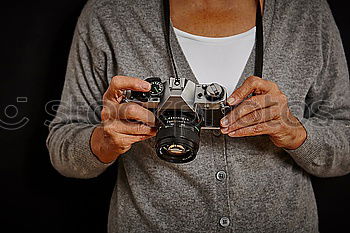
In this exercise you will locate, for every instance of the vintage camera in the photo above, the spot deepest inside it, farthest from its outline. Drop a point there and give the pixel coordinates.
(182, 109)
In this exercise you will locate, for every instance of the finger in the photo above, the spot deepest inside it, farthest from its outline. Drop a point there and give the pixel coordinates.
(129, 128)
(125, 141)
(250, 105)
(127, 111)
(109, 110)
(253, 118)
(129, 83)
(135, 112)
(269, 128)
(251, 85)
(119, 83)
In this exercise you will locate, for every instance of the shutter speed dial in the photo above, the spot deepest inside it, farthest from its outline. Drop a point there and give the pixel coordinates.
(157, 88)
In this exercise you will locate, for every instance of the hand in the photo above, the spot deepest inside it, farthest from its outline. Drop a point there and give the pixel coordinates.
(122, 123)
(266, 112)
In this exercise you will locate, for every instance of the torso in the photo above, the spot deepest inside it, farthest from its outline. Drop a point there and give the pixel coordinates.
(162, 196)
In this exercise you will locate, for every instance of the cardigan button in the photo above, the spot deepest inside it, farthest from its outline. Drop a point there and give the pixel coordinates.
(224, 222)
(221, 175)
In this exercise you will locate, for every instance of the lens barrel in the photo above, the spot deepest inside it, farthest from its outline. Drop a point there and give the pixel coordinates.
(177, 140)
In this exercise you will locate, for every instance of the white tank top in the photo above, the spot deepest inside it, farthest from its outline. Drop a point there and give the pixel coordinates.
(221, 60)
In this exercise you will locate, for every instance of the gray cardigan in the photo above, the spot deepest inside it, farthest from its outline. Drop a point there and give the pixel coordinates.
(252, 186)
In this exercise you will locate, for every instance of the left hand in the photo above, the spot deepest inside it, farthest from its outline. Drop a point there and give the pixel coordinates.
(266, 112)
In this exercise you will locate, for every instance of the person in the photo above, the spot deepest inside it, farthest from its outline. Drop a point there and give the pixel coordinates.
(252, 175)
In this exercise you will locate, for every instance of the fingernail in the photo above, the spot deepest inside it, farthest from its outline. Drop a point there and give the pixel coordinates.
(231, 101)
(232, 133)
(224, 130)
(224, 122)
(145, 85)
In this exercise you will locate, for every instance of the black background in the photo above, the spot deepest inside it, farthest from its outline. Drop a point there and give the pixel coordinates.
(35, 41)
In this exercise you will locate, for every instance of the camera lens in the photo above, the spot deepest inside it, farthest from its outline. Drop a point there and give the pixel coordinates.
(175, 149)
(178, 136)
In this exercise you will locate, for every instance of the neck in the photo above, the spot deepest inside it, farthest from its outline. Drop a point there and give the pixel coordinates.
(213, 18)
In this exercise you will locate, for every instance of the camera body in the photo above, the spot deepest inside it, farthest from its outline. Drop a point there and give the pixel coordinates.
(182, 109)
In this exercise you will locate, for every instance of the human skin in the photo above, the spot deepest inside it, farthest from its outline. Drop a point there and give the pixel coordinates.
(266, 112)
(122, 123)
(213, 18)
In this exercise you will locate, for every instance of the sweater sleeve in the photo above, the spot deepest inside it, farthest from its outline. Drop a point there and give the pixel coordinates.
(78, 113)
(326, 151)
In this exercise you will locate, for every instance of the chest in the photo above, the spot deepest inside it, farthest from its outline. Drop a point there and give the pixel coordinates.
(289, 60)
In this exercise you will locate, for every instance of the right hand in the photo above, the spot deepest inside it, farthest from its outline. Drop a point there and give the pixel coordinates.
(117, 133)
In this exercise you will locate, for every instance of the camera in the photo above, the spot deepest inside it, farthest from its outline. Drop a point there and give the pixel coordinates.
(182, 108)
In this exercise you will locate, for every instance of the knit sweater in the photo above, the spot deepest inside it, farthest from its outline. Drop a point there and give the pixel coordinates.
(235, 184)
